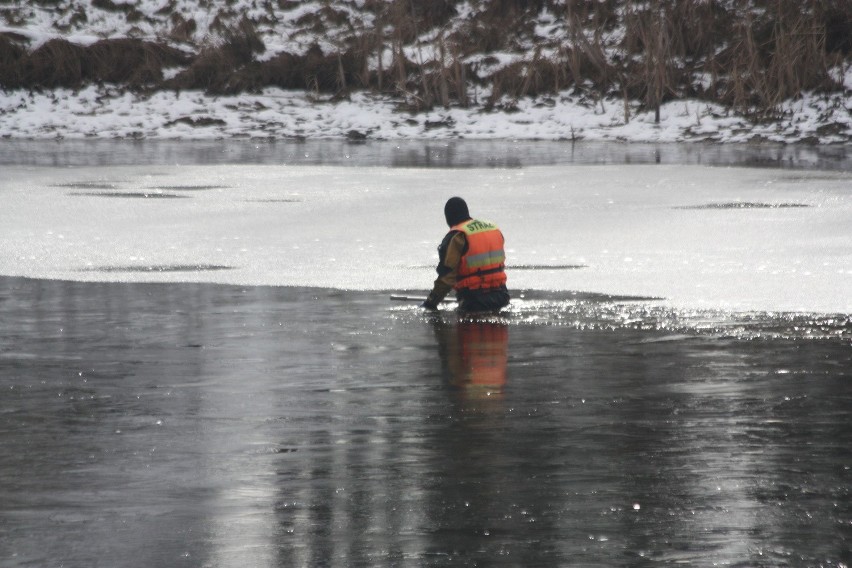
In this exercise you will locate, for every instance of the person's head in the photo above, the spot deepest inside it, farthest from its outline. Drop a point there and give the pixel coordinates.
(455, 211)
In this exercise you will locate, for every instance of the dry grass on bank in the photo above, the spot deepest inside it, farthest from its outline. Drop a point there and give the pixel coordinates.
(746, 54)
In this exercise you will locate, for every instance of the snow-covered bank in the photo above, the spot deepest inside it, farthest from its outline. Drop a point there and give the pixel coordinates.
(699, 237)
(487, 70)
(107, 112)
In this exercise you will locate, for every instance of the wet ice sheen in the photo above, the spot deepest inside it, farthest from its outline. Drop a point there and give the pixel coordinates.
(271, 426)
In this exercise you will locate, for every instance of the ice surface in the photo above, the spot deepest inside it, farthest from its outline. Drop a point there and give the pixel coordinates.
(697, 237)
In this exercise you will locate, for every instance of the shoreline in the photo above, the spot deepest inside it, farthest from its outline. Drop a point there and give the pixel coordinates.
(416, 153)
(110, 112)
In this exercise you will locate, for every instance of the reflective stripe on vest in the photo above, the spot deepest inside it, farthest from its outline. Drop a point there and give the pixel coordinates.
(482, 264)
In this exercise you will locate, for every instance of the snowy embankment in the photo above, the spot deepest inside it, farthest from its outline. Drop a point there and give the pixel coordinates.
(107, 112)
(697, 237)
(480, 104)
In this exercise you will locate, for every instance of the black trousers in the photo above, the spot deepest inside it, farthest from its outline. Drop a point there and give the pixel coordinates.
(483, 299)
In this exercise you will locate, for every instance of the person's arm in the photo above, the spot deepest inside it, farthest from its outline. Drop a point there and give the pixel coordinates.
(450, 253)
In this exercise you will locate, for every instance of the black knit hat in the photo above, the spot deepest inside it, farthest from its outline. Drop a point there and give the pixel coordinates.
(456, 211)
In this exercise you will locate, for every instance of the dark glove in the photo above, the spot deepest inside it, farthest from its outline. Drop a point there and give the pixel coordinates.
(429, 305)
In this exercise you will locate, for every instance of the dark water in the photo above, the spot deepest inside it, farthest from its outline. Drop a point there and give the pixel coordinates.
(201, 425)
(416, 153)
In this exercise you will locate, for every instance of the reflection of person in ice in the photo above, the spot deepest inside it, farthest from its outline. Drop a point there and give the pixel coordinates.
(475, 353)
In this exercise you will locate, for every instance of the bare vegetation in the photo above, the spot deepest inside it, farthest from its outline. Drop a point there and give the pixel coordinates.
(60, 63)
(750, 55)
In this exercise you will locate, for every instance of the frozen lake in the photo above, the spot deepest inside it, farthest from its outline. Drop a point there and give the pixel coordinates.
(695, 236)
(200, 365)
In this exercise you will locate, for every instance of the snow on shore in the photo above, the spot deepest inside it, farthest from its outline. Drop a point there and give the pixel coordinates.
(107, 112)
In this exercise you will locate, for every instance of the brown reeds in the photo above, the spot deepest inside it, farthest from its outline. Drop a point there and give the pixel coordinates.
(747, 54)
(653, 31)
(778, 56)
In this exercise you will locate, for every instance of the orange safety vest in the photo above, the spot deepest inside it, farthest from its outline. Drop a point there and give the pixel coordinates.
(483, 265)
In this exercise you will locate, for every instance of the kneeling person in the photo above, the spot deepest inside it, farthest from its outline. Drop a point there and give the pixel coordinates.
(472, 261)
